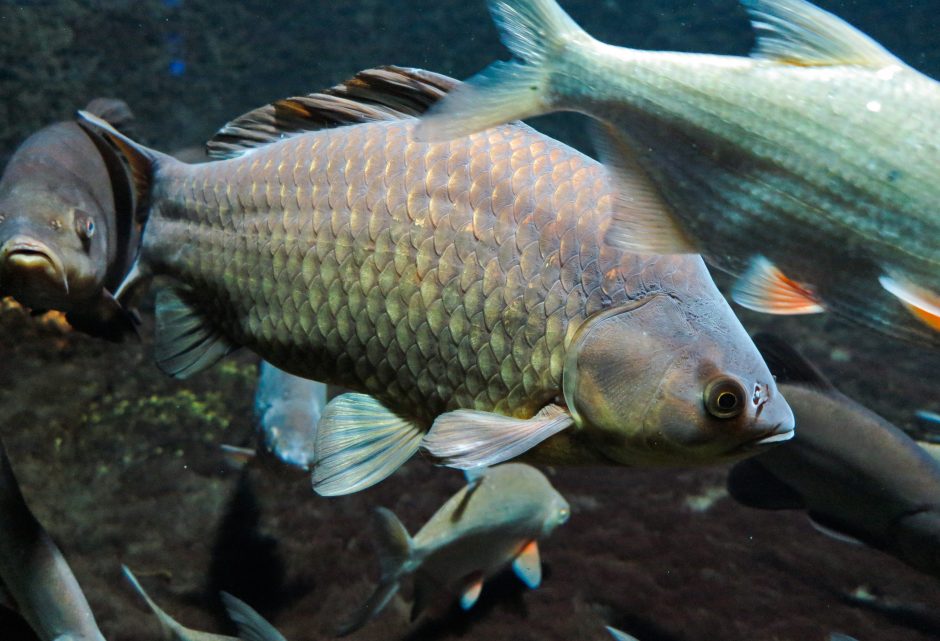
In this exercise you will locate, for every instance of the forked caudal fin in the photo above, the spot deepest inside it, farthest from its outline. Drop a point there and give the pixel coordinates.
(538, 32)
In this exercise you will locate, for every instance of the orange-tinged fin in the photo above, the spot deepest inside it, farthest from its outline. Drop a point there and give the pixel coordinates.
(620, 635)
(642, 222)
(799, 33)
(922, 303)
(384, 93)
(251, 625)
(472, 590)
(539, 33)
(764, 288)
(359, 443)
(528, 566)
(466, 439)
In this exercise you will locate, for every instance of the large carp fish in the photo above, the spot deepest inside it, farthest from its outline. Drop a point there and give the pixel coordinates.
(809, 170)
(462, 288)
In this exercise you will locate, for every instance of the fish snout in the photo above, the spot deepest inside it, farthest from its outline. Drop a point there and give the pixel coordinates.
(776, 424)
(27, 264)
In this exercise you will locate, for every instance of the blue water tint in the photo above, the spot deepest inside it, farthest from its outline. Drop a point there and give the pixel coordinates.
(177, 67)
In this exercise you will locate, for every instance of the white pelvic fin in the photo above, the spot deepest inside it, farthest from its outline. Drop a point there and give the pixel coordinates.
(528, 566)
(185, 344)
(251, 625)
(537, 32)
(764, 288)
(922, 303)
(467, 438)
(642, 222)
(800, 33)
(359, 443)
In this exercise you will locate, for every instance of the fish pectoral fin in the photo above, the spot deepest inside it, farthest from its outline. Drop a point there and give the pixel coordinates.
(528, 566)
(471, 591)
(799, 33)
(359, 443)
(749, 483)
(185, 344)
(467, 439)
(642, 222)
(538, 32)
(919, 301)
(251, 625)
(764, 288)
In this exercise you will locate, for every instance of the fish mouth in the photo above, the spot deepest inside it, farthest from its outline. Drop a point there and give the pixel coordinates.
(23, 258)
(778, 434)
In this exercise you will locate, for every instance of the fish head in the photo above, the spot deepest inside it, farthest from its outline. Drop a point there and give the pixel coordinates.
(53, 250)
(654, 385)
(558, 513)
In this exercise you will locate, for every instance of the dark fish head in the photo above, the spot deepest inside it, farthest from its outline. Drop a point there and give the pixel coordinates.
(652, 384)
(52, 253)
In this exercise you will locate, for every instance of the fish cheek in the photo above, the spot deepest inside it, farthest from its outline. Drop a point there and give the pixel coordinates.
(617, 363)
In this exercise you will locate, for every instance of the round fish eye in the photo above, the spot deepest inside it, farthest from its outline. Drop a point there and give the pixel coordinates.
(563, 515)
(724, 398)
(84, 225)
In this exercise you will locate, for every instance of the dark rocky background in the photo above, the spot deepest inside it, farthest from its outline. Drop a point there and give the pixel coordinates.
(122, 464)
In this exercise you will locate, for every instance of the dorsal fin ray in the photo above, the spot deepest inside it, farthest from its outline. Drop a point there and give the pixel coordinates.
(383, 93)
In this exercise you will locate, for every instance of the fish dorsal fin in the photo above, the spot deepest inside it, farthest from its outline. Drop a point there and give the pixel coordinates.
(799, 33)
(114, 111)
(384, 93)
(788, 365)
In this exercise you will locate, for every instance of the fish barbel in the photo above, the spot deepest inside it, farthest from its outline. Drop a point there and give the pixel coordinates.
(462, 287)
(809, 170)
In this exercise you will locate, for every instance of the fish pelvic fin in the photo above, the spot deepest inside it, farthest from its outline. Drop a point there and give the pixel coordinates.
(359, 443)
(539, 33)
(472, 589)
(185, 344)
(922, 303)
(396, 553)
(528, 565)
(251, 625)
(468, 439)
(799, 33)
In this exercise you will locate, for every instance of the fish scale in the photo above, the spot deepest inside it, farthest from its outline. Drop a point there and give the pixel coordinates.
(409, 343)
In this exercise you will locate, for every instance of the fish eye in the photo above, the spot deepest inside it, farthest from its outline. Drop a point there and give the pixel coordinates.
(724, 398)
(85, 226)
(563, 515)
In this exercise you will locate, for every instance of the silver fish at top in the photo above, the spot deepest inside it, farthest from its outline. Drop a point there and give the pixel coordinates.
(67, 230)
(809, 170)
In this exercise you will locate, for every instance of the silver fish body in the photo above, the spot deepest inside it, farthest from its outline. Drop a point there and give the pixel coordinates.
(287, 411)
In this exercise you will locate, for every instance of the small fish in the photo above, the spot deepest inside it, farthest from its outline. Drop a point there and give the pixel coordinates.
(36, 579)
(809, 170)
(494, 521)
(857, 476)
(251, 625)
(461, 290)
(287, 411)
(67, 233)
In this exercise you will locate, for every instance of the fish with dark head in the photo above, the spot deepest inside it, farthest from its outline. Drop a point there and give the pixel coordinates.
(67, 234)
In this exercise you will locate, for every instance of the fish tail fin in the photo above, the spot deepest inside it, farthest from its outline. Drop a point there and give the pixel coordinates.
(396, 552)
(251, 625)
(171, 628)
(539, 33)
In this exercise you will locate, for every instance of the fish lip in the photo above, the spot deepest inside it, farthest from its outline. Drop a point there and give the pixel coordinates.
(23, 246)
(778, 434)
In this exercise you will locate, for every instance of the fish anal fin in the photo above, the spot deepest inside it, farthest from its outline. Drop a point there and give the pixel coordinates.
(528, 566)
(642, 222)
(764, 288)
(799, 33)
(383, 93)
(473, 586)
(185, 343)
(922, 303)
(468, 438)
(359, 443)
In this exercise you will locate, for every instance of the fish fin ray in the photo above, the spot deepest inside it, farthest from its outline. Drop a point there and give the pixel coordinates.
(818, 521)
(537, 32)
(528, 566)
(469, 438)
(642, 222)
(749, 483)
(251, 625)
(172, 629)
(359, 443)
(184, 343)
(471, 591)
(788, 365)
(764, 288)
(799, 33)
(115, 111)
(383, 93)
(922, 303)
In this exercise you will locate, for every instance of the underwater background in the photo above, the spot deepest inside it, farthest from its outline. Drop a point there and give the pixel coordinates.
(123, 465)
